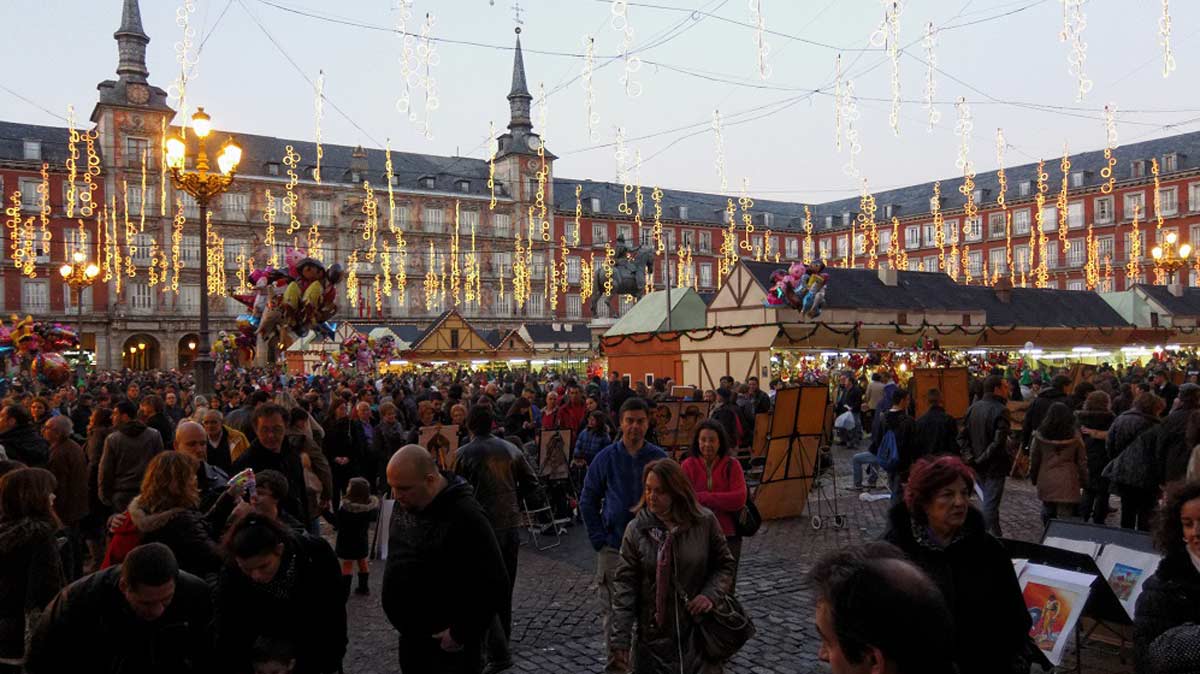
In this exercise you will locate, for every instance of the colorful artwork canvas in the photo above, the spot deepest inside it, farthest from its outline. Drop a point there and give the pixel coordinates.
(1123, 579)
(1126, 570)
(1049, 608)
(442, 443)
(554, 446)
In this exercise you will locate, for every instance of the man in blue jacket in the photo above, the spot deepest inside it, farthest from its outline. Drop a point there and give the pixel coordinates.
(612, 487)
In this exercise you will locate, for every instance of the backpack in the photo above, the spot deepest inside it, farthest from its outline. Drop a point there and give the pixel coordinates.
(888, 452)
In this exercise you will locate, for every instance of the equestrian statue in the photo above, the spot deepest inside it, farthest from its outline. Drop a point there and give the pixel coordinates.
(628, 274)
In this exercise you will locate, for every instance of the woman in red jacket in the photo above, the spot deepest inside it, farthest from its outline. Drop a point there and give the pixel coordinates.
(718, 480)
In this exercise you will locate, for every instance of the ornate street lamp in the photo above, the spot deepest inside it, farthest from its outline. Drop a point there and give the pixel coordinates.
(203, 185)
(1170, 261)
(79, 274)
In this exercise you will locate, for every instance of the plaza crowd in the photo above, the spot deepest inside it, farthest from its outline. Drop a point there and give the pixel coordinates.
(145, 528)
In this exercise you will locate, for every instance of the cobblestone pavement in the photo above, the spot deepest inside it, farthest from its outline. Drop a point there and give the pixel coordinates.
(556, 622)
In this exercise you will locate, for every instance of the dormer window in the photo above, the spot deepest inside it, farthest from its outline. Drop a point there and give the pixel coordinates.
(427, 182)
(395, 180)
(845, 218)
(888, 211)
(1024, 188)
(1137, 168)
(979, 195)
(768, 219)
(464, 186)
(683, 212)
(828, 222)
(594, 202)
(1077, 179)
(1170, 161)
(272, 169)
(355, 176)
(33, 150)
(935, 203)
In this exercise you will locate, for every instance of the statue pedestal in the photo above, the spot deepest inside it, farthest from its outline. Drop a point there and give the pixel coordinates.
(599, 326)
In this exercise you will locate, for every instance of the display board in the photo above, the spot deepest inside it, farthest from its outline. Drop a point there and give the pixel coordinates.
(798, 430)
(951, 381)
(762, 426)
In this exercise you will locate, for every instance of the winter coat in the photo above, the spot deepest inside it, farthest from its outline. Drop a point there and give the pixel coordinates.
(185, 531)
(721, 489)
(1037, 412)
(89, 628)
(445, 560)
(127, 452)
(904, 429)
(345, 438)
(1170, 598)
(387, 439)
(25, 444)
(985, 434)
(286, 461)
(612, 486)
(1125, 428)
(353, 526)
(848, 400)
(95, 450)
(874, 395)
(1136, 466)
(1097, 452)
(702, 565)
(500, 476)
(937, 433)
(166, 430)
(976, 577)
(1173, 451)
(70, 467)
(305, 605)
(228, 449)
(31, 573)
(1058, 468)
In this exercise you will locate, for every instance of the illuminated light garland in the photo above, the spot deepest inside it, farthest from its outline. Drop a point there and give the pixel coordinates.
(313, 239)
(142, 205)
(240, 260)
(1108, 273)
(1037, 235)
(684, 277)
(578, 211)
(761, 47)
(838, 95)
(378, 296)
(319, 109)
(589, 89)
(104, 241)
(176, 241)
(1074, 22)
(291, 159)
(473, 276)
(269, 214)
(408, 57)
(491, 182)
(807, 254)
(1063, 203)
(543, 175)
(866, 216)
(587, 270)
(428, 59)
(929, 43)
(1002, 202)
(370, 209)
(162, 168)
(88, 196)
(389, 175)
(385, 264)
(1158, 216)
(152, 270)
(352, 278)
(621, 156)
(14, 227)
(609, 258)
(114, 243)
(43, 190)
(939, 231)
(963, 129)
(186, 57)
(1110, 143)
(746, 203)
(455, 277)
(72, 162)
(660, 246)
(729, 243)
(632, 64)
(130, 233)
(402, 275)
(720, 150)
(1164, 39)
(888, 36)
(901, 253)
(850, 115)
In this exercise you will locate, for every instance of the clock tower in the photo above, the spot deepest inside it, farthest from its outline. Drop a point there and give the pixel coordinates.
(517, 160)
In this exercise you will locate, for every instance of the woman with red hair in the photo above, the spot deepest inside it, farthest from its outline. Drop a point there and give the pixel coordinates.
(940, 531)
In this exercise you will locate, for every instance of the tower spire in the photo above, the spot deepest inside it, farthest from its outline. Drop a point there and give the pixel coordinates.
(131, 44)
(519, 99)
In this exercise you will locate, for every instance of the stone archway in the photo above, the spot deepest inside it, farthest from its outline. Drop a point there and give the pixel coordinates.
(141, 352)
(187, 350)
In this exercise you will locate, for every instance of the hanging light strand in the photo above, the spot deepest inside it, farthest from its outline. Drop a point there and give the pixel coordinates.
(933, 115)
(1074, 22)
(1110, 144)
(720, 150)
(887, 35)
(589, 89)
(319, 109)
(1002, 202)
(186, 57)
(632, 63)
(762, 49)
(1063, 204)
(1164, 39)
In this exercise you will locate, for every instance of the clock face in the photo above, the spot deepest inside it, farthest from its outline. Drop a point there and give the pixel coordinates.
(533, 141)
(137, 93)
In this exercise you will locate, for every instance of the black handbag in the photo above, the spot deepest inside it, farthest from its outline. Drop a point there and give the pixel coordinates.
(747, 520)
(724, 629)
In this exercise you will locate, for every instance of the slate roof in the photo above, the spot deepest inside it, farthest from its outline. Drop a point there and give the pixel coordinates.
(906, 201)
(544, 333)
(935, 291)
(1188, 305)
(55, 142)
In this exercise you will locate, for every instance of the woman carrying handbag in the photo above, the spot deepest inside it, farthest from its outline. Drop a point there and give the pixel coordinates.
(675, 570)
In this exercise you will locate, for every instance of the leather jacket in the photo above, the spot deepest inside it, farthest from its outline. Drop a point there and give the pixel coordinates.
(984, 437)
(501, 477)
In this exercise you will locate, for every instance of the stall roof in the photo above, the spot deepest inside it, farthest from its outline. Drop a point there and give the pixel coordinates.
(1187, 305)
(544, 333)
(934, 291)
(687, 313)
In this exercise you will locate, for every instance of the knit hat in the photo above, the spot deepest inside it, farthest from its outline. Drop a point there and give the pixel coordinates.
(1175, 651)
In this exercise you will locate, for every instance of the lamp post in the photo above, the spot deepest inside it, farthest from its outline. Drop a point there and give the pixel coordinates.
(79, 274)
(203, 185)
(1166, 257)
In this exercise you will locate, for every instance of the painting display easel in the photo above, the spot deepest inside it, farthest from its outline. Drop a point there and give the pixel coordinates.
(951, 381)
(799, 429)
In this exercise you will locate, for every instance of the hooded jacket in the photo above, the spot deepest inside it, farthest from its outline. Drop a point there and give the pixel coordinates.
(31, 574)
(611, 488)
(1058, 468)
(444, 569)
(89, 627)
(185, 531)
(1170, 598)
(127, 452)
(1037, 411)
(975, 575)
(25, 444)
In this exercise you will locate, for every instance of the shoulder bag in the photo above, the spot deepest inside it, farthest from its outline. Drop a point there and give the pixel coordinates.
(746, 521)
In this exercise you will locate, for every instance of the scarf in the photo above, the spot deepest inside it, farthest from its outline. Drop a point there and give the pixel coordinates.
(662, 573)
